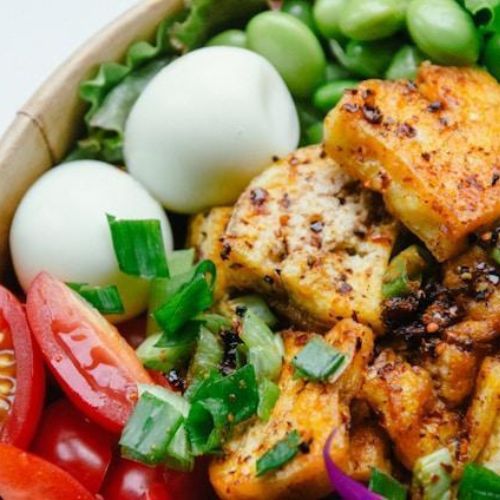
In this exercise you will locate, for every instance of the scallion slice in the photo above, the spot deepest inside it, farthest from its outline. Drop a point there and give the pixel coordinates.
(139, 247)
(387, 486)
(280, 454)
(164, 359)
(319, 361)
(257, 305)
(207, 356)
(106, 299)
(479, 483)
(432, 474)
(180, 261)
(269, 392)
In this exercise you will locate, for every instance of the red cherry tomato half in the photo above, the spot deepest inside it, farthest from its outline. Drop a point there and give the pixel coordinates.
(26, 477)
(93, 364)
(75, 444)
(22, 375)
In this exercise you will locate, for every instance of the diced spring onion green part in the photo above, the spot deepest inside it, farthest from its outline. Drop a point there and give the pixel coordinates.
(139, 247)
(181, 261)
(163, 359)
(387, 486)
(214, 322)
(207, 356)
(257, 305)
(166, 395)
(495, 255)
(319, 361)
(149, 430)
(479, 483)
(432, 475)
(404, 273)
(269, 392)
(280, 454)
(106, 299)
(179, 454)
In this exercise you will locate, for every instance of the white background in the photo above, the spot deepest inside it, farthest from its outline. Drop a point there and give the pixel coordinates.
(37, 35)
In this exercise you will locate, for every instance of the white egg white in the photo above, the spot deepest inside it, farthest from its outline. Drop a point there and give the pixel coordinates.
(61, 227)
(206, 125)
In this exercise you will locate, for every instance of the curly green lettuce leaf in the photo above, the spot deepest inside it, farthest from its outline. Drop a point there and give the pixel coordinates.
(486, 14)
(206, 17)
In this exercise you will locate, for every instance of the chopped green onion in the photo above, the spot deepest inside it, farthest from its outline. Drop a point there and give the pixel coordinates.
(207, 356)
(269, 392)
(404, 273)
(139, 247)
(387, 486)
(180, 261)
(166, 395)
(214, 322)
(163, 359)
(495, 255)
(280, 454)
(264, 348)
(105, 299)
(479, 483)
(257, 305)
(319, 361)
(189, 300)
(432, 475)
(149, 430)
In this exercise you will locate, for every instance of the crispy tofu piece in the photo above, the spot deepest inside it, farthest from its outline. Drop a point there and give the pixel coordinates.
(430, 148)
(311, 408)
(205, 235)
(306, 232)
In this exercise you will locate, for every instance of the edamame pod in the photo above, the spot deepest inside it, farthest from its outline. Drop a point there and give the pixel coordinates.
(366, 20)
(405, 64)
(314, 134)
(230, 38)
(329, 94)
(492, 56)
(302, 10)
(327, 16)
(291, 47)
(444, 31)
(335, 72)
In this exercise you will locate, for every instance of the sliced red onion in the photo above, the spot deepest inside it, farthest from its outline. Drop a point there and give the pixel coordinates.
(347, 488)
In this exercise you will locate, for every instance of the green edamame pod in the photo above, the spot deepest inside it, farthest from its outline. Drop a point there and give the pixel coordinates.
(444, 31)
(492, 56)
(327, 16)
(329, 94)
(366, 20)
(230, 38)
(314, 134)
(291, 47)
(366, 59)
(405, 64)
(302, 10)
(335, 72)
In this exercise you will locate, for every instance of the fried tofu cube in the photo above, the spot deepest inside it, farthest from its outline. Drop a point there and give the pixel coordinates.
(306, 231)
(313, 409)
(205, 236)
(430, 148)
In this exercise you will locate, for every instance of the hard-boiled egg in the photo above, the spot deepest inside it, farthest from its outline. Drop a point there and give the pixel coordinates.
(61, 227)
(207, 124)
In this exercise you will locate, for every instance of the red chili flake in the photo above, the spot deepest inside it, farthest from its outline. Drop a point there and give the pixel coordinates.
(268, 279)
(426, 156)
(317, 226)
(372, 114)
(344, 288)
(350, 107)
(226, 251)
(435, 106)
(258, 196)
(494, 179)
(407, 130)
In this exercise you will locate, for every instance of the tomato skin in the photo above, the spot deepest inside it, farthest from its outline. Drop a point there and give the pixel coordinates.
(75, 444)
(93, 364)
(21, 423)
(26, 477)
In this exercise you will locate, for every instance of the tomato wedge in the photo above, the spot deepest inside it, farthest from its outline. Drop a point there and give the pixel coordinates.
(26, 477)
(93, 364)
(22, 374)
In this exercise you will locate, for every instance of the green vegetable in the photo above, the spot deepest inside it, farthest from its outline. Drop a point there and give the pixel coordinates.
(327, 16)
(214, 322)
(302, 10)
(105, 299)
(404, 65)
(229, 38)
(309, 117)
(366, 59)
(404, 273)
(163, 359)
(207, 356)
(495, 255)
(336, 72)
(329, 94)
(269, 392)
(366, 20)
(291, 47)
(150, 429)
(280, 454)
(265, 349)
(139, 247)
(314, 133)
(486, 13)
(319, 361)
(387, 486)
(181, 261)
(479, 483)
(432, 475)
(492, 55)
(208, 17)
(256, 304)
(444, 31)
